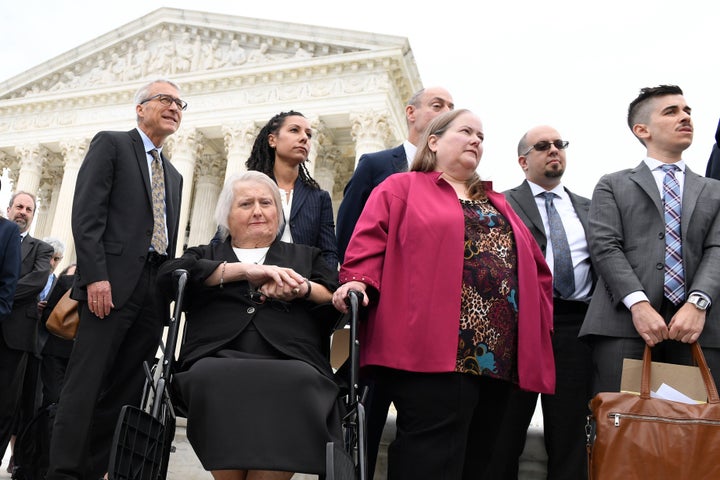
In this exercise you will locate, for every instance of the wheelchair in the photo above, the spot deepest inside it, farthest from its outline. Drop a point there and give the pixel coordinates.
(143, 438)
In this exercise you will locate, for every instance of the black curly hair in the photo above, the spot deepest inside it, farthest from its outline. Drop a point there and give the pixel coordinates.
(262, 157)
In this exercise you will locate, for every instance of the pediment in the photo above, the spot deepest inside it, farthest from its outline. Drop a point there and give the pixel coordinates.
(172, 43)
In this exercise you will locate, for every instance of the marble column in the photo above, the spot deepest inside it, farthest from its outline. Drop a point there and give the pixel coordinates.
(186, 147)
(208, 183)
(31, 158)
(370, 131)
(239, 139)
(73, 152)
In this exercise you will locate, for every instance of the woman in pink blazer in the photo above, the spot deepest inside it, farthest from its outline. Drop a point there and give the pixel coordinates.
(459, 300)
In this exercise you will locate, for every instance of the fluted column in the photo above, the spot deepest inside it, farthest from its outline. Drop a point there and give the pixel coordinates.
(73, 153)
(317, 127)
(239, 139)
(208, 183)
(370, 130)
(186, 147)
(31, 158)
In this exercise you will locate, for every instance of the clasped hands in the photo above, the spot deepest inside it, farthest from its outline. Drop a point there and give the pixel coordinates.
(279, 283)
(685, 326)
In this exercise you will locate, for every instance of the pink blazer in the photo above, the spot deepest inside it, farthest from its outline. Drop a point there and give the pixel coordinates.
(408, 246)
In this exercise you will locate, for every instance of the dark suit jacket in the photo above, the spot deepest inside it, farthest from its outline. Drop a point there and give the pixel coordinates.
(627, 244)
(311, 221)
(20, 329)
(713, 166)
(523, 202)
(112, 218)
(371, 170)
(217, 315)
(10, 258)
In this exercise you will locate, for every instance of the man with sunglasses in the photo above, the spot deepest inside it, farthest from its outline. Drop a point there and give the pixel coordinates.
(125, 224)
(654, 235)
(557, 219)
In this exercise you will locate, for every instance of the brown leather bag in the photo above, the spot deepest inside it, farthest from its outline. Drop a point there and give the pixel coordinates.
(64, 318)
(639, 437)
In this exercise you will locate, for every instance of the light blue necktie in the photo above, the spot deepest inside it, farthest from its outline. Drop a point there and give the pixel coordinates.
(674, 274)
(563, 274)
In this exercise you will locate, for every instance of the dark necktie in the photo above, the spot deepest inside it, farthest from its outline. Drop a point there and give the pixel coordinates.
(563, 274)
(159, 237)
(674, 287)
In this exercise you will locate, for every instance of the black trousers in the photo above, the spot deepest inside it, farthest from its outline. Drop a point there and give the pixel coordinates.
(12, 373)
(439, 415)
(104, 373)
(564, 413)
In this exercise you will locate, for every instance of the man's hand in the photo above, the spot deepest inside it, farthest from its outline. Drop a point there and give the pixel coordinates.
(687, 324)
(100, 298)
(649, 324)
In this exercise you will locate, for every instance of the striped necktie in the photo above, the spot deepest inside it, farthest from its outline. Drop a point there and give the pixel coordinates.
(674, 287)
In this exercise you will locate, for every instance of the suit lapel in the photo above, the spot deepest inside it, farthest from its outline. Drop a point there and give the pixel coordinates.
(141, 157)
(399, 162)
(525, 199)
(692, 188)
(643, 177)
(582, 207)
(26, 246)
(300, 194)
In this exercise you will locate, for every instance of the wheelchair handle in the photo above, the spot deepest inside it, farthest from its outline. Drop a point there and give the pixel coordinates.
(354, 296)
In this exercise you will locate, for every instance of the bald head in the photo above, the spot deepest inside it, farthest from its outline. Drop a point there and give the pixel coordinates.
(423, 107)
(540, 157)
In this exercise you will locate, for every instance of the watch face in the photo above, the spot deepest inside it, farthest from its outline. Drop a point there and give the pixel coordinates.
(699, 302)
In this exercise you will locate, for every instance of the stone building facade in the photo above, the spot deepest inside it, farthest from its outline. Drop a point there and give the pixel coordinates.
(235, 73)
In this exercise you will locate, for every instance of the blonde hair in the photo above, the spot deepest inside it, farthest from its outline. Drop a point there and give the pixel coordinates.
(426, 160)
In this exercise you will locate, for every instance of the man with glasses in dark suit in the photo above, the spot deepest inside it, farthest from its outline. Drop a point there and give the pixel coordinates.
(125, 222)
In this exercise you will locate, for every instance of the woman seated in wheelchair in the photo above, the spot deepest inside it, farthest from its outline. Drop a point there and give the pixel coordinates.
(254, 379)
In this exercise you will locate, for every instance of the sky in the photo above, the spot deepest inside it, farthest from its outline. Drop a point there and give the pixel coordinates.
(570, 64)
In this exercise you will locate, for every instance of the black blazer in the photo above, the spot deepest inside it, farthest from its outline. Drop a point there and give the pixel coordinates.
(112, 217)
(217, 315)
(371, 170)
(9, 265)
(713, 166)
(311, 221)
(20, 328)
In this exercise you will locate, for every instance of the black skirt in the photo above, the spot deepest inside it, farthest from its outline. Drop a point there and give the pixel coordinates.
(250, 408)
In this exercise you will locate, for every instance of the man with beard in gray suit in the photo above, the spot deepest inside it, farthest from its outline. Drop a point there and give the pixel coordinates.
(542, 157)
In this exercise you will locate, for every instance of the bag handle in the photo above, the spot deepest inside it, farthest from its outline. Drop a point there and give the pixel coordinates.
(699, 358)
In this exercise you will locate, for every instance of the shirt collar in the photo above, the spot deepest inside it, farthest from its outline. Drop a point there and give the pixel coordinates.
(147, 143)
(654, 164)
(559, 190)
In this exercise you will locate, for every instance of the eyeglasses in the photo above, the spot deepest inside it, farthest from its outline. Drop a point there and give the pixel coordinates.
(167, 100)
(259, 299)
(545, 145)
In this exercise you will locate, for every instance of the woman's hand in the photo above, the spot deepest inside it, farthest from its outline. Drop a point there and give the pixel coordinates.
(277, 279)
(341, 294)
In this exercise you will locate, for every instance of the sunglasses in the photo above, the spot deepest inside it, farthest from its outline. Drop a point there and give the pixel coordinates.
(545, 145)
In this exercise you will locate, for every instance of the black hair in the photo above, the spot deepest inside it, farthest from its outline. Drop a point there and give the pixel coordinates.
(648, 93)
(262, 157)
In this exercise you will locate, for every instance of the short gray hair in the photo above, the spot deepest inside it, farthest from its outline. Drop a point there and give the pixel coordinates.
(227, 195)
(143, 92)
(57, 244)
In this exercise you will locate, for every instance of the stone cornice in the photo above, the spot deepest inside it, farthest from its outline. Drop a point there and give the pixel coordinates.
(169, 42)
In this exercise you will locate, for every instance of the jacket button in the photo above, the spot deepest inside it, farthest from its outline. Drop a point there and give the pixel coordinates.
(251, 310)
(661, 235)
(660, 266)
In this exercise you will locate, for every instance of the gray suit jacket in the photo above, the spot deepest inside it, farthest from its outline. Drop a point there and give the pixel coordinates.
(627, 245)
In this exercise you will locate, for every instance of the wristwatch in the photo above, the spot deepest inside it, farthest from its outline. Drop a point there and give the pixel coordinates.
(700, 302)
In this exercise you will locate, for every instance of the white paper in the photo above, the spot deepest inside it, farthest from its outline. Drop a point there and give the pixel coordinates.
(666, 392)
